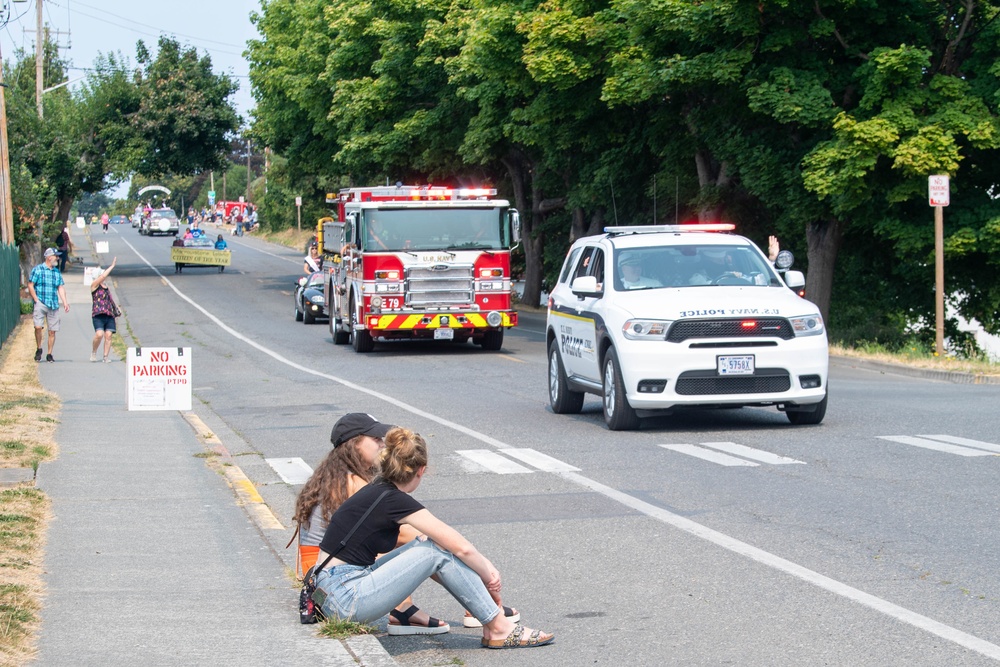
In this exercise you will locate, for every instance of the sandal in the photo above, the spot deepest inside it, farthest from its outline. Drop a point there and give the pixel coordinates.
(470, 621)
(404, 627)
(516, 639)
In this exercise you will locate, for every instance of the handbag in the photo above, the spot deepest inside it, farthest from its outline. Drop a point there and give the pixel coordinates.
(310, 608)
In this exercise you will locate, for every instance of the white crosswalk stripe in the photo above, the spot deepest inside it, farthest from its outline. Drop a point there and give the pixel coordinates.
(543, 462)
(291, 471)
(751, 453)
(731, 454)
(493, 462)
(936, 444)
(710, 455)
(990, 447)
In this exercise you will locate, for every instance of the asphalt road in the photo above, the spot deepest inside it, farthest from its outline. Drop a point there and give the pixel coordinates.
(852, 548)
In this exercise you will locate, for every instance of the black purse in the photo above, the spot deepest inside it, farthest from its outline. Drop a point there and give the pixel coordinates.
(310, 598)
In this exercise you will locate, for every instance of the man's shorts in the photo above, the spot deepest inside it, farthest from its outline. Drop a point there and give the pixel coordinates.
(43, 313)
(103, 323)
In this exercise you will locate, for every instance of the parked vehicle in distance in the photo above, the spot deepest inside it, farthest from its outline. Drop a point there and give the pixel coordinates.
(657, 318)
(160, 221)
(309, 300)
(118, 220)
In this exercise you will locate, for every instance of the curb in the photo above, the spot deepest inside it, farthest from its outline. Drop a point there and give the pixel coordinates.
(955, 377)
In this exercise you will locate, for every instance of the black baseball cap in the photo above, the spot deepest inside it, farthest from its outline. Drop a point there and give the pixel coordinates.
(354, 424)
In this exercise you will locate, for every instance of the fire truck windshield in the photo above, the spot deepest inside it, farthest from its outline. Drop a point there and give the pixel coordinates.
(434, 229)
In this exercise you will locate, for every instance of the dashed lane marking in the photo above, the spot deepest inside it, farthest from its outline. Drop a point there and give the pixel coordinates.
(988, 446)
(924, 443)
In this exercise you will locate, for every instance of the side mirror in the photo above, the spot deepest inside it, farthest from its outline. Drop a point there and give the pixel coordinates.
(795, 279)
(585, 286)
(784, 260)
(515, 226)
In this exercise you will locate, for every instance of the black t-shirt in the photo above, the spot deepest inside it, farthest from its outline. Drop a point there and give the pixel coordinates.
(378, 534)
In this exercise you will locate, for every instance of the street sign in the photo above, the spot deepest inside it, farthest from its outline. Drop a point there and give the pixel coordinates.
(211, 197)
(158, 378)
(938, 190)
(298, 201)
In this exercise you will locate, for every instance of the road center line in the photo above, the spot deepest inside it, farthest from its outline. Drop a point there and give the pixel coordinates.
(946, 632)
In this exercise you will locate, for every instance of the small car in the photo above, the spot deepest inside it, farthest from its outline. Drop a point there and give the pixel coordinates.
(118, 220)
(160, 221)
(655, 318)
(309, 300)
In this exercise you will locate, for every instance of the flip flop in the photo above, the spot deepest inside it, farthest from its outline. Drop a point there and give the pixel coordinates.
(516, 639)
(404, 627)
(472, 622)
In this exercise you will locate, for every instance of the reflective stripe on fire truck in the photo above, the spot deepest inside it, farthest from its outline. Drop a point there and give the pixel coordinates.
(472, 321)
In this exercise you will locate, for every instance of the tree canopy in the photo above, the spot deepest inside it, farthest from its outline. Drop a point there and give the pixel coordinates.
(819, 122)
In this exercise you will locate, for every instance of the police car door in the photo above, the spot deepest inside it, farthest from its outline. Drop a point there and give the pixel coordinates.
(577, 325)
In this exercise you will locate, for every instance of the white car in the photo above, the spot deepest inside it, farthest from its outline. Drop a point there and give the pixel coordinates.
(655, 318)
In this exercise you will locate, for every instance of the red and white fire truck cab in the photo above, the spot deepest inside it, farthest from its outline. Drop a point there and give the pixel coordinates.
(414, 262)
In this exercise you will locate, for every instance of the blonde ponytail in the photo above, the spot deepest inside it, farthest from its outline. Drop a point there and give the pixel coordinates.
(404, 454)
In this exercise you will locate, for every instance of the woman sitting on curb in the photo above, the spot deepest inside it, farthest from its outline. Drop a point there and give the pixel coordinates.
(356, 584)
(350, 465)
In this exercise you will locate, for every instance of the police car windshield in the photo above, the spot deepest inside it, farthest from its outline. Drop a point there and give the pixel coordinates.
(433, 229)
(692, 266)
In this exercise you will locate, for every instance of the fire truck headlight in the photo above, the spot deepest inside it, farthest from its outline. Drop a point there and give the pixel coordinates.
(646, 329)
(493, 318)
(489, 273)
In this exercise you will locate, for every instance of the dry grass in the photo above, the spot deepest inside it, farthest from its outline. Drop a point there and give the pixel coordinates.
(290, 238)
(919, 360)
(28, 423)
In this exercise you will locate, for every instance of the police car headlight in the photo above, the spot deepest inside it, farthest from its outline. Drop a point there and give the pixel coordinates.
(645, 329)
(810, 325)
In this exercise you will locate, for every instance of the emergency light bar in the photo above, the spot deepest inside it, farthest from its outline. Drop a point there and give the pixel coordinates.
(414, 193)
(648, 229)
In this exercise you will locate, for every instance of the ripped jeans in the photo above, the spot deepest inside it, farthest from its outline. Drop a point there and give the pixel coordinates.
(366, 594)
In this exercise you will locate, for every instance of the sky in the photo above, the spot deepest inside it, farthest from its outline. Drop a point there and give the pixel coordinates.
(88, 27)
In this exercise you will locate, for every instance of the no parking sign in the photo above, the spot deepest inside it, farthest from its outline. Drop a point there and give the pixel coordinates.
(158, 378)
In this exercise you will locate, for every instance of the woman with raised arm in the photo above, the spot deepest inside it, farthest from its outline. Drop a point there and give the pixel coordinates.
(354, 583)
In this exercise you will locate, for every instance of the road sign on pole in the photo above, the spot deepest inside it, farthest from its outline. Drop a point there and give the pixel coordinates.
(938, 190)
(211, 197)
(298, 212)
(939, 196)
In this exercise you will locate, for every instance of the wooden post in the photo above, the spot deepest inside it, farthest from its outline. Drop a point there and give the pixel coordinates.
(6, 205)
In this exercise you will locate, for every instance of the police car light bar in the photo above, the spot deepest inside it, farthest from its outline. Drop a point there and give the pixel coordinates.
(646, 229)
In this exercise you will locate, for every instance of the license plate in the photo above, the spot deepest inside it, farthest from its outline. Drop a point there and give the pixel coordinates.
(444, 334)
(742, 365)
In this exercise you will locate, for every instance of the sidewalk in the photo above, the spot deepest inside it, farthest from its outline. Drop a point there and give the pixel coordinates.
(149, 558)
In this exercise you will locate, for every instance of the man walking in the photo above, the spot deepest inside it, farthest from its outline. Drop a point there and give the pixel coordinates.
(47, 289)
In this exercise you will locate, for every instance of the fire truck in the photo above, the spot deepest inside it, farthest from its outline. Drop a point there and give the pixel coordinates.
(412, 262)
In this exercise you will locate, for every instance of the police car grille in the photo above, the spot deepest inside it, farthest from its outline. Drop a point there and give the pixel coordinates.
(705, 383)
(765, 327)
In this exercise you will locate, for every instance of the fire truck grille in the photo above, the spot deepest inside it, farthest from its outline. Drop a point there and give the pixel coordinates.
(428, 287)
(763, 327)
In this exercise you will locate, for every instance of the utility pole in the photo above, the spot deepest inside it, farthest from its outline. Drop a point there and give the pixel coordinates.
(6, 205)
(248, 170)
(39, 57)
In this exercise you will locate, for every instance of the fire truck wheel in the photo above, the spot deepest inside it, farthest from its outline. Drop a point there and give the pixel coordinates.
(492, 339)
(340, 337)
(361, 340)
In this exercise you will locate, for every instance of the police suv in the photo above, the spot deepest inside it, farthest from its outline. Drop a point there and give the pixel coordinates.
(654, 318)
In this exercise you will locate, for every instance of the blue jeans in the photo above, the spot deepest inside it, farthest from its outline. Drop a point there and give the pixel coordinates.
(366, 594)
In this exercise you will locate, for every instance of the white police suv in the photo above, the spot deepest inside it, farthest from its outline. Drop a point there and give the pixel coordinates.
(655, 318)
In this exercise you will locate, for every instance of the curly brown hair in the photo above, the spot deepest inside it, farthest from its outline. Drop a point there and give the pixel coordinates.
(328, 484)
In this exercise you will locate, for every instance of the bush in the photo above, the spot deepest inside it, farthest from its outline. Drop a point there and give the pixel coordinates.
(27, 307)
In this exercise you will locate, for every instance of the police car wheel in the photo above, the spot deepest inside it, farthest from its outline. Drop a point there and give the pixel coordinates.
(618, 414)
(561, 398)
(808, 418)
